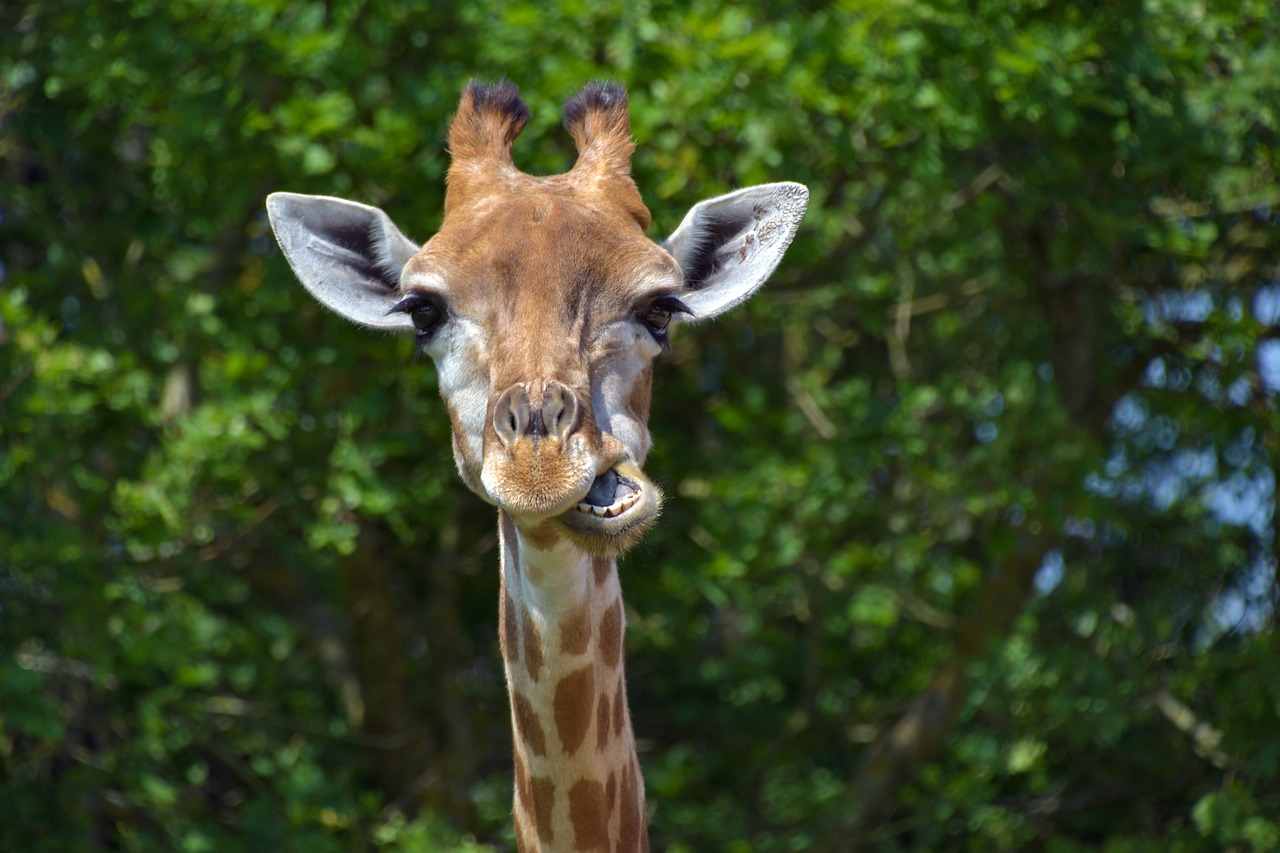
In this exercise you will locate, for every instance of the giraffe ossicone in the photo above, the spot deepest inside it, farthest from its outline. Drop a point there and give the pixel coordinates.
(543, 305)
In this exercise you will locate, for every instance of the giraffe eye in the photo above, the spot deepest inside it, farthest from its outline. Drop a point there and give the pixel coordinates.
(658, 315)
(425, 318)
(658, 318)
(427, 312)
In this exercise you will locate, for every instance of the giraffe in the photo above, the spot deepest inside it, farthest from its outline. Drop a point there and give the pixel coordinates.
(543, 305)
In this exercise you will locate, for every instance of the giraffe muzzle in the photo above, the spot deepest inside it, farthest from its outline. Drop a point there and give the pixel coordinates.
(545, 464)
(619, 508)
(542, 461)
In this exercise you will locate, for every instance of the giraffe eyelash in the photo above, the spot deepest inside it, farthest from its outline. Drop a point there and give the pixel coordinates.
(427, 311)
(657, 316)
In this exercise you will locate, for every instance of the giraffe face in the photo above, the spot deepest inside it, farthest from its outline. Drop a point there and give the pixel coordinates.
(543, 304)
(544, 356)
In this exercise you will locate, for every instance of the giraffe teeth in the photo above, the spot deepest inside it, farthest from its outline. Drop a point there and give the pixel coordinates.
(611, 511)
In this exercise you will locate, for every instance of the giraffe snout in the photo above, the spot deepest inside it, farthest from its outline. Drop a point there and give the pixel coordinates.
(541, 460)
(558, 416)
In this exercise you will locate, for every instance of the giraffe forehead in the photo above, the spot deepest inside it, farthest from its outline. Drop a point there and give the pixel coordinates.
(543, 260)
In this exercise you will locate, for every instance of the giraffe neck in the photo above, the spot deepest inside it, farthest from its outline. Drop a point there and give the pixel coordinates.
(577, 780)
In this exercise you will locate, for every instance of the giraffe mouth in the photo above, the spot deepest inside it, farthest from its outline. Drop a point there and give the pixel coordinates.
(615, 513)
(610, 496)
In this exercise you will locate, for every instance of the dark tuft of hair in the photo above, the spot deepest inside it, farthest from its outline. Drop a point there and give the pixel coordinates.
(596, 95)
(502, 98)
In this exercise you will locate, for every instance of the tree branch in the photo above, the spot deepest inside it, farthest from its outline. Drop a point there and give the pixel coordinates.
(921, 730)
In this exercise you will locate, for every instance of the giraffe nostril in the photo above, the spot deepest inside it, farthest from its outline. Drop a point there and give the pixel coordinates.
(511, 414)
(559, 409)
(557, 417)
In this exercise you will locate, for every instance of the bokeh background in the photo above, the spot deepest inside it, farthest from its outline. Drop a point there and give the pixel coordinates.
(972, 539)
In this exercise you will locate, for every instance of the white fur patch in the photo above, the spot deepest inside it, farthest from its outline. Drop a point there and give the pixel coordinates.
(463, 370)
(621, 353)
(418, 280)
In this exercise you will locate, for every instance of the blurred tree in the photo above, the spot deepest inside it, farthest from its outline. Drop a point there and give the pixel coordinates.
(972, 543)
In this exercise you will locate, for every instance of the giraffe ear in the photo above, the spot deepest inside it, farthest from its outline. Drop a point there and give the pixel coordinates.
(348, 255)
(727, 246)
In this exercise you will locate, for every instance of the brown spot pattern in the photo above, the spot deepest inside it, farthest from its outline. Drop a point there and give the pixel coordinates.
(528, 729)
(575, 633)
(611, 634)
(573, 704)
(510, 642)
(588, 816)
(601, 566)
(524, 803)
(544, 799)
(523, 791)
(630, 828)
(611, 793)
(543, 536)
(619, 709)
(602, 722)
(532, 645)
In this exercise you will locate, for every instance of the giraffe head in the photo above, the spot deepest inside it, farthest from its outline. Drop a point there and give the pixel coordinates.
(543, 304)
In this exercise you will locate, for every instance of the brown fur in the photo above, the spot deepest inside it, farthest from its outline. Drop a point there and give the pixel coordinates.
(543, 536)
(488, 120)
(528, 728)
(544, 799)
(597, 119)
(601, 567)
(602, 722)
(611, 635)
(510, 641)
(531, 647)
(632, 827)
(524, 794)
(588, 815)
(619, 708)
(573, 703)
(575, 634)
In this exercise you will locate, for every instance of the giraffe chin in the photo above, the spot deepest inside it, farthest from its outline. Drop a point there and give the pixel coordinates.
(607, 530)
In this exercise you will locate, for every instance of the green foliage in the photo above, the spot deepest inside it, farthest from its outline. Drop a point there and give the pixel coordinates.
(972, 534)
